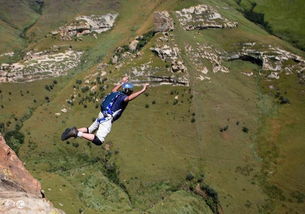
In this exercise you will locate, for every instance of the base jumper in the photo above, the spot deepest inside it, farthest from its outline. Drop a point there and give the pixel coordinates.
(112, 107)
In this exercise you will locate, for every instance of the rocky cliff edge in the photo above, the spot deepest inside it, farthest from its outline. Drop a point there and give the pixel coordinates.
(20, 192)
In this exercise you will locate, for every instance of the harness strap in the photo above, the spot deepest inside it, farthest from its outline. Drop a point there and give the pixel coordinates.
(107, 116)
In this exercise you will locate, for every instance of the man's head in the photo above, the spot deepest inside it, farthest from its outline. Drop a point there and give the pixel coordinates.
(127, 88)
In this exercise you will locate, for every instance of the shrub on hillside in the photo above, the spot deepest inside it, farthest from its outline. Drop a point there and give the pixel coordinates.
(85, 89)
(143, 40)
(14, 139)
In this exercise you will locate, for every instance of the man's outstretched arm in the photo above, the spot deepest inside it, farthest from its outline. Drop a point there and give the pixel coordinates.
(136, 94)
(118, 86)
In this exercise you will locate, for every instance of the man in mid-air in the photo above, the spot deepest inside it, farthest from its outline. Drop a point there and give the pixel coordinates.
(112, 107)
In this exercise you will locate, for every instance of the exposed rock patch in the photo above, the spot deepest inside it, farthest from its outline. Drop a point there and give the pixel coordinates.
(203, 17)
(147, 73)
(166, 52)
(84, 25)
(168, 80)
(206, 59)
(133, 45)
(13, 172)
(270, 58)
(173, 72)
(170, 54)
(40, 65)
(19, 191)
(273, 60)
(163, 22)
(8, 54)
(133, 49)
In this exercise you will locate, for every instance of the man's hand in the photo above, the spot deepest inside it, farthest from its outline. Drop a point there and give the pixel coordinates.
(145, 86)
(119, 85)
(136, 94)
(125, 79)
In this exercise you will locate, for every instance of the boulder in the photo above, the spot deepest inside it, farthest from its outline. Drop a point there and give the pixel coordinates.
(133, 45)
(166, 52)
(114, 59)
(178, 66)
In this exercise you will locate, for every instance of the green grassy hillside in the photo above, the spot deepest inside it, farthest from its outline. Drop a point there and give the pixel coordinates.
(33, 20)
(223, 143)
(282, 18)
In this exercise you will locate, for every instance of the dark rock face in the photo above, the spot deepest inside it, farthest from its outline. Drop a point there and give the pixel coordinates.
(163, 22)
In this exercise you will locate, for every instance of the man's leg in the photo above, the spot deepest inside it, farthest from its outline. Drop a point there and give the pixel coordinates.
(84, 130)
(73, 132)
(86, 136)
(103, 130)
(86, 133)
(98, 139)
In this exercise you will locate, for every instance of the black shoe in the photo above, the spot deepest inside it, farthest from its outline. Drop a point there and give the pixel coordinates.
(69, 132)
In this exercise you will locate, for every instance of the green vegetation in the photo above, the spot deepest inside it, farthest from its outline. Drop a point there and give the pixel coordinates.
(144, 39)
(14, 139)
(256, 17)
(283, 18)
(245, 133)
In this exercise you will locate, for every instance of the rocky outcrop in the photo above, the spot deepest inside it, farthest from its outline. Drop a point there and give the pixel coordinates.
(133, 45)
(132, 50)
(84, 25)
(206, 59)
(163, 22)
(203, 17)
(20, 192)
(8, 54)
(178, 66)
(170, 54)
(40, 65)
(273, 60)
(163, 80)
(166, 52)
(270, 58)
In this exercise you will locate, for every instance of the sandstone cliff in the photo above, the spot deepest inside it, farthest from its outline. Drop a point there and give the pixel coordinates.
(20, 192)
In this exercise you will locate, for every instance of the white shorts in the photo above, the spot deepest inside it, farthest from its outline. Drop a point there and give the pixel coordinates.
(103, 127)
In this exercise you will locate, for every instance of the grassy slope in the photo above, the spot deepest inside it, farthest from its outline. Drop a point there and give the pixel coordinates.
(14, 17)
(285, 17)
(148, 177)
(156, 153)
(20, 16)
(280, 142)
(17, 14)
(227, 99)
(239, 98)
(58, 13)
(9, 39)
